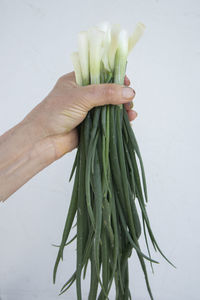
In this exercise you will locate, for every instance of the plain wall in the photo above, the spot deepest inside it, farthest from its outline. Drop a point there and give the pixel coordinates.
(36, 40)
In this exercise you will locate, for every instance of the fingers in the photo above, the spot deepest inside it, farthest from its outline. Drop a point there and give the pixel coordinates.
(132, 115)
(126, 81)
(103, 94)
(128, 105)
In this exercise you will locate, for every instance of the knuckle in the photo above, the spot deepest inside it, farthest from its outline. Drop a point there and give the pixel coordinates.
(93, 90)
(90, 92)
(86, 95)
(62, 80)
(110, 92)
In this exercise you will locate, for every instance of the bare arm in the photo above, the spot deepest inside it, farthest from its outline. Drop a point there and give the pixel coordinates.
(22, 154)
(49, 130)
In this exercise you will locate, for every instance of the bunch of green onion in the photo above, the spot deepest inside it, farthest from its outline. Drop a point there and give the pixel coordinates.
(109, 175)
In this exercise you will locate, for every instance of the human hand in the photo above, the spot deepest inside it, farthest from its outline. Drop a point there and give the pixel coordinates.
(49, 130)
(66, 106)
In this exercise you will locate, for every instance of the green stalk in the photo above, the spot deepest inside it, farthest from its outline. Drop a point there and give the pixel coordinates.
(93, 278)
(68, 223)
(109, 175)
(81, 221)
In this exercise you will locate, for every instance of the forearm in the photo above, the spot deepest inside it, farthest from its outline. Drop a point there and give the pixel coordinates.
(23, 153)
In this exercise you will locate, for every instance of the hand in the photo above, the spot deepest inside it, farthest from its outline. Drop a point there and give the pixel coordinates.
(66, 106)
(49, 130)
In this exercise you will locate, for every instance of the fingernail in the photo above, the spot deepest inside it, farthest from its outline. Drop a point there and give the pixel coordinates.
(131, 105)
(128, 92)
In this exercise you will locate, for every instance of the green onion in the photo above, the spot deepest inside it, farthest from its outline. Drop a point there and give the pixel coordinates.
(109, 175)
(83, 47)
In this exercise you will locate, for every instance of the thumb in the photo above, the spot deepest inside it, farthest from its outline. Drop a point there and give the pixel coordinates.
(103, 94)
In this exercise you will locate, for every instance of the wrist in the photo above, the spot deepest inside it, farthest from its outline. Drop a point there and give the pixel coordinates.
(48, 147)
(23, 153)
(41, 147)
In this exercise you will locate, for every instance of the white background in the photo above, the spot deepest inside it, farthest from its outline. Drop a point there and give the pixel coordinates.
(36, 39)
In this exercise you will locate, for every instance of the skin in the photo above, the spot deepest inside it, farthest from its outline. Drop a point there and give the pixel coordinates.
(49, 130)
